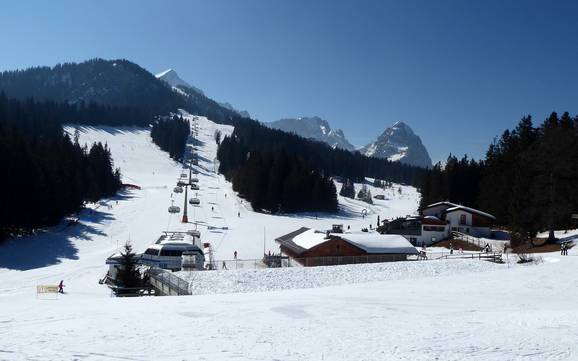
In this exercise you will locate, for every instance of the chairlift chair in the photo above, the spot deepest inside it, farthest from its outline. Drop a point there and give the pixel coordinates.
(194, 187)
(178, 189)
(194, 201)
(181, 184)
(194, 180)
(173, 208)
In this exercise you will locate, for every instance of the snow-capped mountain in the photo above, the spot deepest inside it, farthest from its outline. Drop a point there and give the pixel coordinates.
(399, 143)
(314, 128)
(179, 85)
(172, 78)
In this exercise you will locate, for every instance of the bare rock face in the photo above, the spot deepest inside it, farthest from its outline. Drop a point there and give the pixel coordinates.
(313, 128)
(399, 143)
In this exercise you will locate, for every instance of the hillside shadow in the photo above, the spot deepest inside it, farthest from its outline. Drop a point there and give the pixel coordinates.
(55, 244)
(344, 213)
(106, 128)
(195, 142)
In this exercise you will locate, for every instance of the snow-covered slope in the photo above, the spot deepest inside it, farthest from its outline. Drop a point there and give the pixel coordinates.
(399, 143)
(315, 128)
(445, 310)
(77, 254)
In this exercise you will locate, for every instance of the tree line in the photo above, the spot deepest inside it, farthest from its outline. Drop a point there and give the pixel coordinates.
(170, 134)
(46, 174)
(527, 180)
(275, 181)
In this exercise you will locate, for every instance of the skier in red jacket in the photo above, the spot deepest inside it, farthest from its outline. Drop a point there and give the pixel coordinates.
(61, 287)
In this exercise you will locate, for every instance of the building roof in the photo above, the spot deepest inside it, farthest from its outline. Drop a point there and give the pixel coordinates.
(449, 204)
(306, 238)
(287, 240)
(379, 243)
(469, 210)
(432, 220)
(310, 238)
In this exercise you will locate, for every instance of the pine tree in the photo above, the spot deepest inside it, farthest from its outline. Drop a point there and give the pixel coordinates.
(128, 274)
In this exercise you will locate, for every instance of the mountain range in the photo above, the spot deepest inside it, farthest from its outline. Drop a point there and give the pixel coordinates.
(125, 85)
(396, 143)
(314, 128)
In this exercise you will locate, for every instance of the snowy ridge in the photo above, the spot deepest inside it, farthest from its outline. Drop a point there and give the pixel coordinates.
(313, 128)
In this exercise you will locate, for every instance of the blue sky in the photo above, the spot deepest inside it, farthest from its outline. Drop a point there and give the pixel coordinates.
(459, 72)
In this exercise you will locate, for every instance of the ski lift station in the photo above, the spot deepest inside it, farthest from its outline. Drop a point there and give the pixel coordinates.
(174, 248)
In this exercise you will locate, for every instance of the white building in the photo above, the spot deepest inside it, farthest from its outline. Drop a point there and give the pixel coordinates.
(437, 221)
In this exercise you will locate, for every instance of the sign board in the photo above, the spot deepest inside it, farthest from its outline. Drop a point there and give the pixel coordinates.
(46, 289)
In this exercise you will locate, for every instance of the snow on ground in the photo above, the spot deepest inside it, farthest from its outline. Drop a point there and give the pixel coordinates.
(269, 279)
(570, 235)
(377, 312)
(517, 313)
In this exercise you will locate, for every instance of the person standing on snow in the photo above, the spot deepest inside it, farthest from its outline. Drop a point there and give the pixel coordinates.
(61, 287)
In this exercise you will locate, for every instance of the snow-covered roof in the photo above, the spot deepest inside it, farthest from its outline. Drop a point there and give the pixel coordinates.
(306, 238)
(379, 243)
(309, 239)
(450, 204)
(469, 210)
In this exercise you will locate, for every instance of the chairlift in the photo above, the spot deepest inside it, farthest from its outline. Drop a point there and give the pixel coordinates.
(178, 189)
(194, 201)
(194, 187)
(181, 184)
(173, 208)
(194, 180)
(183, 175)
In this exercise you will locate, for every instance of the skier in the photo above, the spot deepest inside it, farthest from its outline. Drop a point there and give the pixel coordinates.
(61, 287)
(224, 265)
(235, 254)
(239, 214)
(451, 248)
(212, 209)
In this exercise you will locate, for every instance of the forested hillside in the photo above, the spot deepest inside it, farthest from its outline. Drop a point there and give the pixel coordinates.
(118, 92)
(527, 180)
(170, 134)
(45, 173)
(277, 181)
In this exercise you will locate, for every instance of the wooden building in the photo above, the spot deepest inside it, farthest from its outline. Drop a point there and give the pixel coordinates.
(314, 248)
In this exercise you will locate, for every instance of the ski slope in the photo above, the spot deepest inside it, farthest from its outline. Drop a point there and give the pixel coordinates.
(77, 254)
(448, 310)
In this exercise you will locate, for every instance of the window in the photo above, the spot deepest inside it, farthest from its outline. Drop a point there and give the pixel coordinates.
(463, 219)
(152, 252)
(434, 228)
